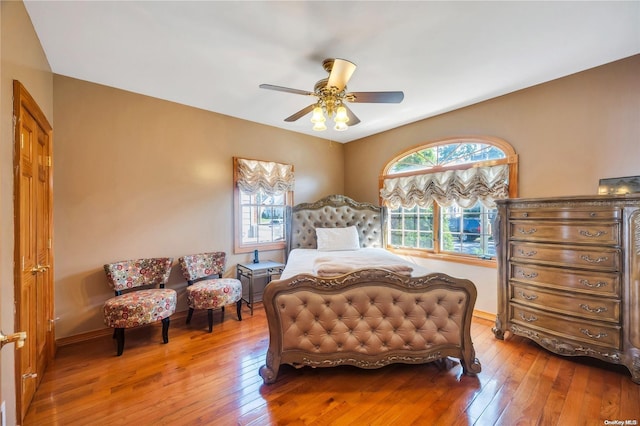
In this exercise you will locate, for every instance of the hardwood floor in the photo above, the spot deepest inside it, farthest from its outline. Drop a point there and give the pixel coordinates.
(202, 378)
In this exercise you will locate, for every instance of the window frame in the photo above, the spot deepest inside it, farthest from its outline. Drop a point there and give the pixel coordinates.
(239, 247)
(511, 159)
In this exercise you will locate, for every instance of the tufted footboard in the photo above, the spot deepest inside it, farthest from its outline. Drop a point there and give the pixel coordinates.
(368, 318)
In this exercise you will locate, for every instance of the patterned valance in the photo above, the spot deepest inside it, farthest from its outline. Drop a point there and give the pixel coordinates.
(272, 178)
(461, 187)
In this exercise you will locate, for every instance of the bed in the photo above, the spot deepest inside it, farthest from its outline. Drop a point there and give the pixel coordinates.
(329, 307)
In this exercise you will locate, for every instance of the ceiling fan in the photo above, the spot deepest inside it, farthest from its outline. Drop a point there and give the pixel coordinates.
(331, 94)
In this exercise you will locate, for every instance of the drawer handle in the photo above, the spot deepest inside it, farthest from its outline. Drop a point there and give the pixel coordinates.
(527, 296)
(592, 234)
(532, 318)
(525, 275)
(588, 258)
(527, 231)
(586, 332)
(596, 285)
(528, 253)
(592, 310)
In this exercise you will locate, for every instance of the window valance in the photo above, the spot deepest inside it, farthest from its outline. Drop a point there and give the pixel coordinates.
(460, 187)
(270, 177)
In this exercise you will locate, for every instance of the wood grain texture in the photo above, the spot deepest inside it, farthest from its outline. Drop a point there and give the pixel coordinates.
(568, 277)
(202, 378)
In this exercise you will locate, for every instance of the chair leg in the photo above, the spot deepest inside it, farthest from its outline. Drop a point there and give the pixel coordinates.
(222, 317)
(239, 309)
(189, 315)
(165, 330)
(210, 317)
(118, 334)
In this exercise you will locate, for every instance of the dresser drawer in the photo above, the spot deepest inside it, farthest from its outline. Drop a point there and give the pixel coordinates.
(607, 259)
(567, 213)
(566, 232)
(592, 282)
(594, 333)
(602, 309)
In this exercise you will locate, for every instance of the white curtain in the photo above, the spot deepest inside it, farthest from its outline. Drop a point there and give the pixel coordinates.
(272, 178)
(461, 187)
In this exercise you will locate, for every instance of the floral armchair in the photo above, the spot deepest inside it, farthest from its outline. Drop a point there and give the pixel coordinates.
(206, 292)
(140, 296)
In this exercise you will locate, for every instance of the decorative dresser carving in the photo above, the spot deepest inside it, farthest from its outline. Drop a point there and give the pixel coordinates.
(569, 275)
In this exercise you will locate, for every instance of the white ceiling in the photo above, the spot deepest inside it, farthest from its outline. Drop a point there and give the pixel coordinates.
(443, 55)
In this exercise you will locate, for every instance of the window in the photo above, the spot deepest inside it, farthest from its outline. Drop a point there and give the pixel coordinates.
(441, 197)
(262, 191)
(468, 231)
(412, 227)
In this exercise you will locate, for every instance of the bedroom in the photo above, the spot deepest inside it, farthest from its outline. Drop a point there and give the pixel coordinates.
(184, 179)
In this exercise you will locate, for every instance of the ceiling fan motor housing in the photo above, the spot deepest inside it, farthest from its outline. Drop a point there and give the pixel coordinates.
(332, 93)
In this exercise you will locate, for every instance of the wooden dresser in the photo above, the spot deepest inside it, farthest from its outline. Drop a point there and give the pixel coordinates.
(569, 275)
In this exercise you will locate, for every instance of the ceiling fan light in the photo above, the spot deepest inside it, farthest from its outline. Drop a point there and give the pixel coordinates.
(341, 115)
(341, 126)
(319, 126)
(318, 116)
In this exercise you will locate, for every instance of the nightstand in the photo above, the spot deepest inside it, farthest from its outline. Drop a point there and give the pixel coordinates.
(250, 271)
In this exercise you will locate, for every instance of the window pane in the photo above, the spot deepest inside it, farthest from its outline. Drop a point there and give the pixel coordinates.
(411, 228)
(426, 240)
(278, 199)
(245, 198)
(396, 221)
(249, 225)
(447, 155)
(467, 231)
(411, 222)
(396, 238)
(262, 218)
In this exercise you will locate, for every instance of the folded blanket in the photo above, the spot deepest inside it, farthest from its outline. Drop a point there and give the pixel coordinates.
(327, 266)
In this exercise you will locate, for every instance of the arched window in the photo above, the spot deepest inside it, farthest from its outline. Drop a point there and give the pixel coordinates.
(441, 197)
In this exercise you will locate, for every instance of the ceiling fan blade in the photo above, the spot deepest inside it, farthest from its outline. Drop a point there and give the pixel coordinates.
(353, 120)
(304, 111)
(376, 97)
(286, 89)
(340, 73)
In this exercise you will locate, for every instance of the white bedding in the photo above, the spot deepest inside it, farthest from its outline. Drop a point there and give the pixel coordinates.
(303, 261)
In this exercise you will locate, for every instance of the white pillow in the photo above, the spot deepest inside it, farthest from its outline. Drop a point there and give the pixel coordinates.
(330, 239)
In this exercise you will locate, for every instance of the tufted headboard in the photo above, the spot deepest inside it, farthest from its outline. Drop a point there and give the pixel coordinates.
(335, 211)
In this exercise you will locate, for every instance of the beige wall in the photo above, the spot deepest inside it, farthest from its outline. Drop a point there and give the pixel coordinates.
(23, 59)
(568, 133)
(136, 177)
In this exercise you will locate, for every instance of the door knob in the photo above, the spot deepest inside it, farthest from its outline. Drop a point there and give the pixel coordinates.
(18, 338)
(39, 268)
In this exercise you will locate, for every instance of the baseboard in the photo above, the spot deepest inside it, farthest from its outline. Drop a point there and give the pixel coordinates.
(97, 334)
(83, 337)
(484, 315)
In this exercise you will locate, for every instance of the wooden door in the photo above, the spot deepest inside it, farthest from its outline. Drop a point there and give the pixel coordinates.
(33, 248)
